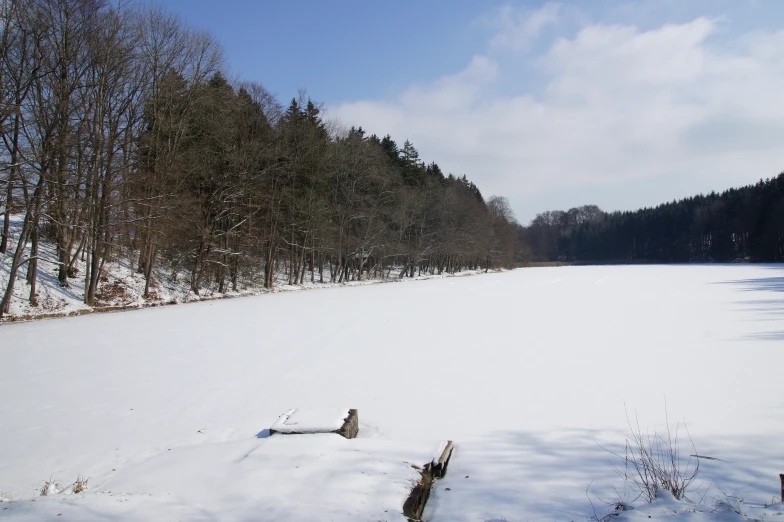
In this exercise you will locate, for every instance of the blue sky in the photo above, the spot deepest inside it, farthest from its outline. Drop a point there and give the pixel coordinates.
(553, 104)
(340, 51)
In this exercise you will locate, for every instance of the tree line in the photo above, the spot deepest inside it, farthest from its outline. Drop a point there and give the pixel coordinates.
(124, 141)
(740, 224)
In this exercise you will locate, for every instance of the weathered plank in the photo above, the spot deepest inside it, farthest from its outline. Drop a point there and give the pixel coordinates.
(303, 422)
(440, 464)
(414, 505)
(350, 427)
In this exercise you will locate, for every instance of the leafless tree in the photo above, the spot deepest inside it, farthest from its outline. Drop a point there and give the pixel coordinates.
(123, 139)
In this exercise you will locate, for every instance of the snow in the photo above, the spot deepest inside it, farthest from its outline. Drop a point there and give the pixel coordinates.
(294, 477)
(310, 421)
(665, 506)
(537, 368)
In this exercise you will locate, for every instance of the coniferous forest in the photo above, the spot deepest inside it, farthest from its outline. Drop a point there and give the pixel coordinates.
(123, 140)
(744, 224)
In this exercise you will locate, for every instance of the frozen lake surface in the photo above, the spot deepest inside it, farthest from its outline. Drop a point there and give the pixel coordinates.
(525, 370)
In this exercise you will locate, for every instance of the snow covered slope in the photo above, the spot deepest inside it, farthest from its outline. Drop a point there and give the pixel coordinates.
(524, 370)
(121, 287)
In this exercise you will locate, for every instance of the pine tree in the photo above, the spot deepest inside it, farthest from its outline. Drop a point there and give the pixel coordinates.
(413, 170)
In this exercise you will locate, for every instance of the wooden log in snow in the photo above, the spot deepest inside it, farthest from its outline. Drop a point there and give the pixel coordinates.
(301, 422)
(415, 503)
(435, 469)
(440, 463)
(350, 427)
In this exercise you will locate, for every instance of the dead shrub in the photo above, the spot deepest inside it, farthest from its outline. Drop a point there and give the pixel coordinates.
(653, 461)
(80, 485)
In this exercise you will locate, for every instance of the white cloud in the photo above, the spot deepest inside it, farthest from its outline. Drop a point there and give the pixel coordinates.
(618, 104)
(454, 92)
(520, 30)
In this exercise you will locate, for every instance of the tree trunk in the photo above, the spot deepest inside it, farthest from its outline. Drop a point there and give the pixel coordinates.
(201, 264)
(10, 189)
(5, 306)
(321, 267)
(76, 255)
(361, 266)
(235, 270)
(291, 262)
(195, 269)
(148, 268)
(269, 266)
(312, 264)
(304, 261)
(343, 271)
(32, 267)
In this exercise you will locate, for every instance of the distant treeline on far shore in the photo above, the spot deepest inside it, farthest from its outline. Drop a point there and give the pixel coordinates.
(741, 224)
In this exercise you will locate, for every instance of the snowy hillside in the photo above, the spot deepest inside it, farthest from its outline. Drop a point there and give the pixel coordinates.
(122, 288)
(165, 409)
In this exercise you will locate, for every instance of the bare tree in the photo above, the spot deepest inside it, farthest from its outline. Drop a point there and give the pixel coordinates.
(176, 61)
(121, 138)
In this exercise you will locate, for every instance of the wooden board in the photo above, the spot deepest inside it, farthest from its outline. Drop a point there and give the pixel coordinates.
(349, 426)
(417, 499)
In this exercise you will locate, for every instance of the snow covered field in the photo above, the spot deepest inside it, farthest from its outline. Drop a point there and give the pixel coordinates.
(526, 371)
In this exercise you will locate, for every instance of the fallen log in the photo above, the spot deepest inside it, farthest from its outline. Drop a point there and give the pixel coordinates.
(300, 422)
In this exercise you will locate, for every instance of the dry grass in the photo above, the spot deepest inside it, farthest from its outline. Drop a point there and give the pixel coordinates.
(729, 504)
(80, 485)
(111, 293)
(51, 487)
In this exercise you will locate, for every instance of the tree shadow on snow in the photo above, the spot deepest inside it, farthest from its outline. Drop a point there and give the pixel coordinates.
(766, 336)
(760, 284)
(518, 476)
(50, 280)
(764, 309)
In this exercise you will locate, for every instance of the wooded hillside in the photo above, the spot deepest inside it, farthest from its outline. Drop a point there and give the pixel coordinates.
(123, 140)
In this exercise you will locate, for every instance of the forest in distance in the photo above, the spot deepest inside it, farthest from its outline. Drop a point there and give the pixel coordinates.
(124, 140)
(739, 224)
